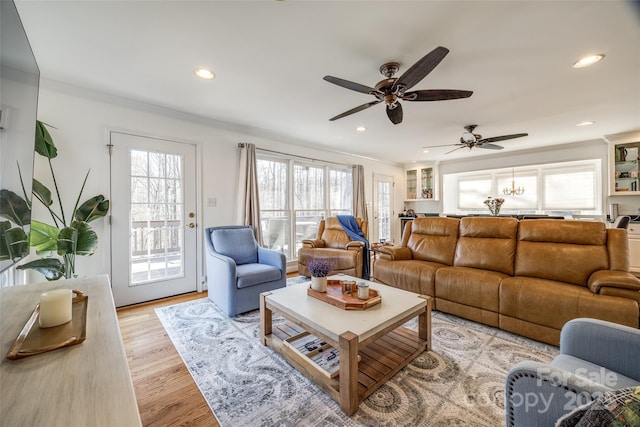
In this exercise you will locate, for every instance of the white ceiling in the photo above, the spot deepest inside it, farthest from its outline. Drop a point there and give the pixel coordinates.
(269, 58)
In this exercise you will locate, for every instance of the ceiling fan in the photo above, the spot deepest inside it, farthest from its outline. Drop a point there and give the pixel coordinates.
(393, 89)
(470, 140)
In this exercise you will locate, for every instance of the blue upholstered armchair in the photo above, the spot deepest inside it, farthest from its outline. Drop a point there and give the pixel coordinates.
(238, 270)
(595, 357)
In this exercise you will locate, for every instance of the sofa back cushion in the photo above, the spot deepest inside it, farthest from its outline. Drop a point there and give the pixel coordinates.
(567, 251)
(487, 243)
(334, 235)
(434, 239)
(237, 242)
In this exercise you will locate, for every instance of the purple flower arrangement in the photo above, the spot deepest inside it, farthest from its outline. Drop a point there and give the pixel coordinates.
(319, 268)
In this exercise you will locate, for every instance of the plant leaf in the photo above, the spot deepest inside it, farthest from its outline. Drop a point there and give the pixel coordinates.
(4, 247)
(44, 143)
(52, 268)
(79, 239)
(44, 238)
(87, 241)
(94, 208)
(43, 193)
(67, 239)
(14, 208)
(17, 242)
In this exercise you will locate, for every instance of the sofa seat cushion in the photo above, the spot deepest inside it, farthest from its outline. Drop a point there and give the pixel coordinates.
(470, 286)
(339, 259)
(593, 372)
(254, 274)
(552, 304)
(410, 275)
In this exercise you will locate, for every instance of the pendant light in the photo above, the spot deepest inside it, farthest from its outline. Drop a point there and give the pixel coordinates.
(513, 191)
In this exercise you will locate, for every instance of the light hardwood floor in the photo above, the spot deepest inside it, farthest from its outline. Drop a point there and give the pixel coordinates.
(165, 390)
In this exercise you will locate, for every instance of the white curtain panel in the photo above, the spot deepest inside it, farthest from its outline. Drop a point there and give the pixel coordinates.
(248, 212)
(359, 203)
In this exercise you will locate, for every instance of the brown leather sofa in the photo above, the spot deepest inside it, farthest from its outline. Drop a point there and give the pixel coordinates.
(529, 277)
(333, 244)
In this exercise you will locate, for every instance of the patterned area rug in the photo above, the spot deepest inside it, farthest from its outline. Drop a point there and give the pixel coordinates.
(459, 383)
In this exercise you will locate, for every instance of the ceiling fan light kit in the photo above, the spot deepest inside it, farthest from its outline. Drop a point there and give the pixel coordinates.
(391, 89)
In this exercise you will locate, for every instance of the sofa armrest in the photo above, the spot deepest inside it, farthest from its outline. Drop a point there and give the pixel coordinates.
(307, 243)
(613, 279)
(395, 253)
(220, 268)
(272, 257)
(537, 394)
(354, 245)
(610, 345)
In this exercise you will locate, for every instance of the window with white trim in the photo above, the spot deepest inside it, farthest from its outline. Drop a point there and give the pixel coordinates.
(295, 195)
(556, 189)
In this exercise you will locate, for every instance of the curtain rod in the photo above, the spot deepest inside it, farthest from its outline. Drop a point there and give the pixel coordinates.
(241, 145)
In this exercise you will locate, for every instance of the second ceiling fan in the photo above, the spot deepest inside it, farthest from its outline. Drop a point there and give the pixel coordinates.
(393, 89)
(470, 140)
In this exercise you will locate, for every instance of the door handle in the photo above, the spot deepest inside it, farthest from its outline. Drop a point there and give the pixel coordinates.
(191, 225)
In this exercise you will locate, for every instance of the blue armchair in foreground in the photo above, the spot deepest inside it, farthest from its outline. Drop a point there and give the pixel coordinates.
(238, 270)
(595, 357)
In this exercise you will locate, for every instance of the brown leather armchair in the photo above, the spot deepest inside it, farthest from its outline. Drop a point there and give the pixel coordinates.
(333, 244)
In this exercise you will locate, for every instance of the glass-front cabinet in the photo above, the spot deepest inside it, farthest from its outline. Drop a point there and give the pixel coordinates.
(421, 183)
(624, 159)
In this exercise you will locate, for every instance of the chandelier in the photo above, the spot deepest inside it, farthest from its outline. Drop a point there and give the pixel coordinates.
(513, 191)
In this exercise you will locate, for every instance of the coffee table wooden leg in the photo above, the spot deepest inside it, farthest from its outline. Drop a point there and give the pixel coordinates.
(349, 400)
(266, 317)
(424, 322)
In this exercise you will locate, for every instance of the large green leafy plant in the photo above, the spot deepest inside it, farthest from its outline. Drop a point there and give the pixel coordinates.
(14, 240)
(68, 236)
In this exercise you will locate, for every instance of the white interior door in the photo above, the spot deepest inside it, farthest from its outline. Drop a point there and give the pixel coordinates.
(153, 218)
(382, 207)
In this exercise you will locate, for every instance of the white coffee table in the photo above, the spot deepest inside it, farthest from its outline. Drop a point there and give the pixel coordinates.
(373, 345)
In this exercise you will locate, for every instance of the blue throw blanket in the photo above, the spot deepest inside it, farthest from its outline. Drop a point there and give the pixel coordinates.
(350, 226)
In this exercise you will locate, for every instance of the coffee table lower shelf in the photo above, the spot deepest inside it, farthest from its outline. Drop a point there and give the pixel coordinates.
(378, 361)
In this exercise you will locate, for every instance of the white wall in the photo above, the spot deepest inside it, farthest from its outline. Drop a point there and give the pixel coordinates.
(82, 118)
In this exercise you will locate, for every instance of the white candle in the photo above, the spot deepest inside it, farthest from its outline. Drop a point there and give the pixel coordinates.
(55, 308)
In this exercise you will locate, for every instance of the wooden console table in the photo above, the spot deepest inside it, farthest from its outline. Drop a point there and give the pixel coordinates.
(87, 384)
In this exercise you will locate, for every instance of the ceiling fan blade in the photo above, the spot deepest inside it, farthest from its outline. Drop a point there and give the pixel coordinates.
(502, 138)
(355, 110)
(420, 69)
(489, 146)
(445, 145)
(463, 146)
(395, 114)
(437, 95)
(349, 85)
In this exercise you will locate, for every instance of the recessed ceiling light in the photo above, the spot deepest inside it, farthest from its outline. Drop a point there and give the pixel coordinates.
(361, 128)
(204, 73)
(586, 123)
(588, 60)
(425, 151)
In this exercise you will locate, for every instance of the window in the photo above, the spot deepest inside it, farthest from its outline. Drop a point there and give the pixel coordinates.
(569, 189)
(295, 196)
(557, 189)
(472, 191)
(273, 190)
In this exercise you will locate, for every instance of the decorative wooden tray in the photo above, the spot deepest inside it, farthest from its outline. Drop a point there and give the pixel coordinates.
(335, 297)
(35, 340)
